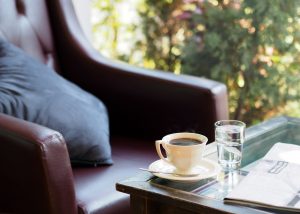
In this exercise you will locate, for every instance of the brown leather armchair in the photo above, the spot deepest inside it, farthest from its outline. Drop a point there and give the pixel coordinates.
(36, 174)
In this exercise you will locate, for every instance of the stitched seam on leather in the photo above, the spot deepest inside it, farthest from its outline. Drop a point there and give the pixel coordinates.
(50, 138)
(13, 133)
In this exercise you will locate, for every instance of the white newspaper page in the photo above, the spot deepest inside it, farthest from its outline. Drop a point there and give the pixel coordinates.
(274, 182)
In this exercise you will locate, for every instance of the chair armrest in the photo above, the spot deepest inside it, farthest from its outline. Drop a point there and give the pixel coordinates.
(36, 175)
(140, 101)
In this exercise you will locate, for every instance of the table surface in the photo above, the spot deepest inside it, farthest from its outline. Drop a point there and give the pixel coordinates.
(206, 195)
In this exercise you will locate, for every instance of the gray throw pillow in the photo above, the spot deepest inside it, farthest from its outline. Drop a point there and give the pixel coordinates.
(31, 91)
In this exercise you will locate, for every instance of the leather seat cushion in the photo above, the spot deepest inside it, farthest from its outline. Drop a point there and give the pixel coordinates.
(31, 91)
(95, 187)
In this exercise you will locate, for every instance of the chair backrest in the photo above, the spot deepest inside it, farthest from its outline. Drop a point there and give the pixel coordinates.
(26, 24)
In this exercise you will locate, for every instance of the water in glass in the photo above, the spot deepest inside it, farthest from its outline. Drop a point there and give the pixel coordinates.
(229, 140)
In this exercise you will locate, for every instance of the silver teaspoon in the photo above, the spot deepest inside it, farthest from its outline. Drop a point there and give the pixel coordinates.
(171, 173)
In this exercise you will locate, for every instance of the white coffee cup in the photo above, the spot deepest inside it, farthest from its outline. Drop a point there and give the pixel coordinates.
(184, 150)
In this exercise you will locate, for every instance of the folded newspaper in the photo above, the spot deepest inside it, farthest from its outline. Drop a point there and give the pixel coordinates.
(273, 183)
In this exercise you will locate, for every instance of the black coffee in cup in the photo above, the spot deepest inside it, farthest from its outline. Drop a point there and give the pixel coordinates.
(185, 142)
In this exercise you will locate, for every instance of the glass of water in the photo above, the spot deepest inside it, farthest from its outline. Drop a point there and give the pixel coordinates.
(229, 136)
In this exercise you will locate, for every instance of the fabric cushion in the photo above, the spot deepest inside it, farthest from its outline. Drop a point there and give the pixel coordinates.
(31, 91)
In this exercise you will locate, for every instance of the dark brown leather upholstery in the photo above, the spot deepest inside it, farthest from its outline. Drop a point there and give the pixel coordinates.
(143, 105)
(36, 175)
(184, 103)
(129, 155)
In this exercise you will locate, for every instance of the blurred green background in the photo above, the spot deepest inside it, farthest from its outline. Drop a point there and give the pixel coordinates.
(252, 46)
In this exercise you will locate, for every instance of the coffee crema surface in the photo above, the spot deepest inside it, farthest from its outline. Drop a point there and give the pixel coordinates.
(185, 142)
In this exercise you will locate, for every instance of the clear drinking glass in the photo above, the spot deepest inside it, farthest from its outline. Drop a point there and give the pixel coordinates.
(229, 136)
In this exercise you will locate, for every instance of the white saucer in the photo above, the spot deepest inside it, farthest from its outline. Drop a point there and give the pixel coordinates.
(206, 169)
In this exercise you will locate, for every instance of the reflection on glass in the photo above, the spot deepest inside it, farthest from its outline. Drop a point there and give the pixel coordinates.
(220, 187)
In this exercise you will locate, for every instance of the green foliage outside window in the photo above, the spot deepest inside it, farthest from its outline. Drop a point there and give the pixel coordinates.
(250, 45)
(253, 47)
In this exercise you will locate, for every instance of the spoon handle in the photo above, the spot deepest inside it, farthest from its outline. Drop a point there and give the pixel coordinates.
(170, 173)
